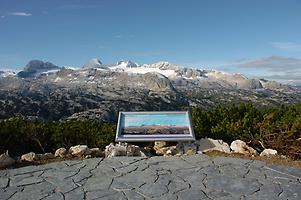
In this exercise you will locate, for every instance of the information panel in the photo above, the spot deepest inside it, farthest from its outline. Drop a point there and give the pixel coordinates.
(154, 126)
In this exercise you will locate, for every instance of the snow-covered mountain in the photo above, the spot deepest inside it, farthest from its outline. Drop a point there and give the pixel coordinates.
(94, 63)
(48, 91)
(7, 73)
(175, 73)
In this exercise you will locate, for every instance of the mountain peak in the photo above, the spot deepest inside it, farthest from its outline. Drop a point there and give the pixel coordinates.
(93, 63)
(164, 65)
(127, 64)
(38, 65)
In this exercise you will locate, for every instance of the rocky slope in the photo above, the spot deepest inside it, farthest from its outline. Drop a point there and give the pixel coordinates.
(96, 90)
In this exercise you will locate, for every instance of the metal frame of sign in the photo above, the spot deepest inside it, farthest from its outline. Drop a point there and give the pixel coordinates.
(120, 137)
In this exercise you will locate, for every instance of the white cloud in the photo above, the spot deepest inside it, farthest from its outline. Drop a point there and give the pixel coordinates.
(288, 46)
(286, 69)
(22, 14)
(274, 63)
(2, 16)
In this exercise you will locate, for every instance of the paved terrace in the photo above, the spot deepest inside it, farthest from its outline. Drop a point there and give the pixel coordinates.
(186, 177)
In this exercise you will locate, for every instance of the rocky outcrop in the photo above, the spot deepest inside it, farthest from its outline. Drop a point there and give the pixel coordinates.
(190, 73)
(273, 85)
(157, 82)
(241, 147)
(6, 160)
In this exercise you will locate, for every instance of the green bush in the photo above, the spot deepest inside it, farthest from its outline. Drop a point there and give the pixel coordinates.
(21, 136)
(227, 122)
(278, 128)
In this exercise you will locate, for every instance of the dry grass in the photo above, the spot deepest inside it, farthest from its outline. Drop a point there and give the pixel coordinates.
(270, 160)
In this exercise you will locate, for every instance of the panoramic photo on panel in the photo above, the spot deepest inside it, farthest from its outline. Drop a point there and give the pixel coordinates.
(156, 124)
(152, 126)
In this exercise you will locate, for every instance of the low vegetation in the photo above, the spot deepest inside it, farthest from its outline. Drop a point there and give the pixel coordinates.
(20, 136)
(278, 128)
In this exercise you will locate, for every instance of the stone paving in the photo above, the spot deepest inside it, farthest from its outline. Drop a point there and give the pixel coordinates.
(185, 177)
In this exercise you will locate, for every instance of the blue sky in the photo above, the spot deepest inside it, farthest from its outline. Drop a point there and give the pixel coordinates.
(257, 38)
(156, 119)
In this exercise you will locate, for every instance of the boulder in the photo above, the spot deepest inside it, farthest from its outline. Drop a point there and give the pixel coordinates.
(188, 148)
(48, 156)
(133, 150)
(268, 152)
(61, 152)
(115, 150)
(96, 152)
(239, 146)
(167, 151)
(208, 144)
(30, 157)
(79, 150)
(159, 145)
(125, 150)
(6, 160)
(45, 156)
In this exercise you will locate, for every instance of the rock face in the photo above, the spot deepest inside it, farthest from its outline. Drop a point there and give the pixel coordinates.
(239, 146)
(268, 152)
(208, 144)
(61, 152)
(30, 157)
(6, 160)
(190, 73)
(79, 150)
(157, 82)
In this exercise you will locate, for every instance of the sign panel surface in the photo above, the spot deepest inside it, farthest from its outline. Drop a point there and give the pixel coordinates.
(154, 126)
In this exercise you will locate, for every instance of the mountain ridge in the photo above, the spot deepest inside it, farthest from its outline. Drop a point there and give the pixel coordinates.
(52, 92)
